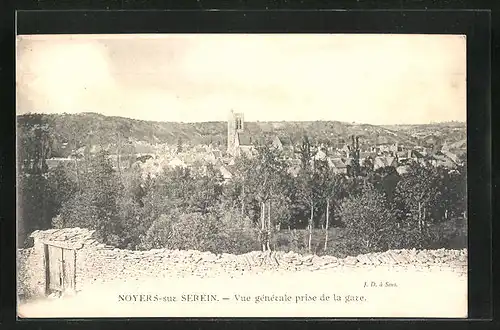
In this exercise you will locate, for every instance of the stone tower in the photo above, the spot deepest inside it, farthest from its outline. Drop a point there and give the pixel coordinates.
(235, 125)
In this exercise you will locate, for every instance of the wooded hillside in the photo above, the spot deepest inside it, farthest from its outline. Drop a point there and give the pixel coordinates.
(72, 131)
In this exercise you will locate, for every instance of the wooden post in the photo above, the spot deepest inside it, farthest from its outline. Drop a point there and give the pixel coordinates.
(74, 270)
(62, 272)
(46, 267)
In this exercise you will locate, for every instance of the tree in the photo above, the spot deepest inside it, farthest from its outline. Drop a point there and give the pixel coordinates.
(417, 193)
(238, 190)
(355, 165)
(135, 185)
(236, 233)
(222, 230)
(305, 152)
(367, 167)
(370, 222)
(278, 189)
(449, 210)
(335, 189)
(309, 190)
(34, 147)
(62, 188)
(454, 191)
(207, 191)
(263, 181)
(96, 206)
(121, 141)
(385, 179)
(172, 189)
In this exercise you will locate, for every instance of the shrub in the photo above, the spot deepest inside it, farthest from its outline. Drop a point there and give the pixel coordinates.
(451, 234)
(290, 240)
(370, 222)
(236, 233)
(195, 231)
(159, 234)
(229, 233)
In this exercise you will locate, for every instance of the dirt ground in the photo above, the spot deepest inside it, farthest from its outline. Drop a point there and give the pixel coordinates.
(342, 291)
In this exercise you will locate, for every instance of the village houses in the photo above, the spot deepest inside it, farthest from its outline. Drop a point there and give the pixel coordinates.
(337, 153)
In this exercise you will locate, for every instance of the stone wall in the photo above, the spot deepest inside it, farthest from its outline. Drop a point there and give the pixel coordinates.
(31, 271)
(97, 263)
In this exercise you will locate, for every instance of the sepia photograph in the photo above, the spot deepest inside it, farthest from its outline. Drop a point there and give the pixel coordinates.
(241, 175)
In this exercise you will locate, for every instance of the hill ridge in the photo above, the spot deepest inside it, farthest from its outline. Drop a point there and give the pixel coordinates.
(85, 128)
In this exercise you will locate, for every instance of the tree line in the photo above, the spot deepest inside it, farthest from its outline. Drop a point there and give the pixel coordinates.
(263, 207)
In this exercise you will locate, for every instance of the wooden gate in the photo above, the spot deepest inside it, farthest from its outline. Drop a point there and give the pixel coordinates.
(60, 269)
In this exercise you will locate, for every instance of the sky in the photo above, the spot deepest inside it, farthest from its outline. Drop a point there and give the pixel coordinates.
(375, 79)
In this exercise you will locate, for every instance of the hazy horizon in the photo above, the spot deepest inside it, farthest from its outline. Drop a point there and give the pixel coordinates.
(371, 79)
(251, 121)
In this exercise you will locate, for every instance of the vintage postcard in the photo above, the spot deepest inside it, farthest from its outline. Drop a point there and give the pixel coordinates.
(241, 175)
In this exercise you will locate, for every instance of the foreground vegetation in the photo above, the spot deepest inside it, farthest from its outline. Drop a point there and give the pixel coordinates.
(262, 207)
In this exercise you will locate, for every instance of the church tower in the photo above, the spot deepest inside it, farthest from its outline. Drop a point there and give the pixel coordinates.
(235, 125)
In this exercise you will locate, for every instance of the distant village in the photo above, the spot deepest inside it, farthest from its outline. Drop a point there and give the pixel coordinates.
(152, 159)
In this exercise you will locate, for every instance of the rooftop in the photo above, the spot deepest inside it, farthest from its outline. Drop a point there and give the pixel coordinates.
(69, 237)
(245, 139)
